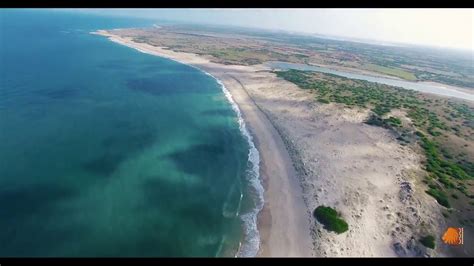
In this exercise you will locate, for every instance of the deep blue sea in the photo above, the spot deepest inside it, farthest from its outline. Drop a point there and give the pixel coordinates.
(106, 151)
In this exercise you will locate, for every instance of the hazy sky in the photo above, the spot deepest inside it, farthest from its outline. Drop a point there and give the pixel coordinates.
(435, 27)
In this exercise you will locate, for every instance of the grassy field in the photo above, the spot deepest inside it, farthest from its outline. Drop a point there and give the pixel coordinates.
(441, 129)
(397, 72)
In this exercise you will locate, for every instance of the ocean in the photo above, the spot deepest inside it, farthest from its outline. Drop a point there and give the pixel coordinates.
(109, 152)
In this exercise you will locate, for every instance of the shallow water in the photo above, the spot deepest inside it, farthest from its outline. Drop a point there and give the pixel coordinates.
(106, 151)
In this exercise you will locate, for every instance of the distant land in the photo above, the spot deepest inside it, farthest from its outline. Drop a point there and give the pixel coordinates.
(413, 63)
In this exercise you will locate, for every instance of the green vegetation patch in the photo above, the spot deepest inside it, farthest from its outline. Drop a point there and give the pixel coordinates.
(439, 166)
(322, 100)
(393, 121)
(237, 56)
(397, 72)
(440, 197)
(428, 241)
(381, 98)
(375, 120)
(330, 219)
(463, 111)
(440, 126)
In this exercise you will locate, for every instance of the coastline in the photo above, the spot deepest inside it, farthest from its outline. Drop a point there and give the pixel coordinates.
(283, 222)
(252, 235)
(313, 154)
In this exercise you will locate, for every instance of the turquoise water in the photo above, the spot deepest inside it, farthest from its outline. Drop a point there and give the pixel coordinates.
(409, 85)
(106, 151)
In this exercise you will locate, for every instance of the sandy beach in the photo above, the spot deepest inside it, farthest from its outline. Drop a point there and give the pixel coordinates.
(314, 154)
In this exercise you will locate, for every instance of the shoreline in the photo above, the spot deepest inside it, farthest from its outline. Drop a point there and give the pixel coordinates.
(282, 224)
(252, 235)
(315, 154)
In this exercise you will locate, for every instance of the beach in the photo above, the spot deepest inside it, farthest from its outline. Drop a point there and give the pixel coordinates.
(313, 154)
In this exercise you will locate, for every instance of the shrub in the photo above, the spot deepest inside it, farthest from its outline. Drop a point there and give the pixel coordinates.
(428, 241)
(375, 120)
(393, 121)
(322, 100)
(439, 196)
(381, 110)
(330, 219)
(419, 134)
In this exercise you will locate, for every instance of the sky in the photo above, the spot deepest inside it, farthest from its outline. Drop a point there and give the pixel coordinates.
(451, 28)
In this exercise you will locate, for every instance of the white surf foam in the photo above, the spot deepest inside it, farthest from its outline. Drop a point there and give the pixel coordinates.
(251, 244)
